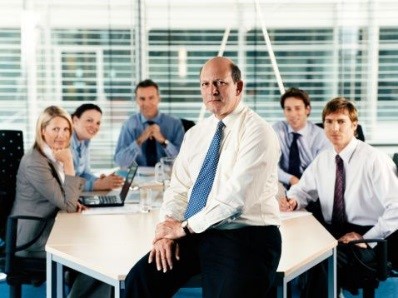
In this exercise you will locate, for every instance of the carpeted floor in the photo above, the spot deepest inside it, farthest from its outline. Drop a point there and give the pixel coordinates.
(387, 289)
(40, 292)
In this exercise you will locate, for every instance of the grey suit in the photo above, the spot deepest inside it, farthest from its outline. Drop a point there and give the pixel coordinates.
(40, 193)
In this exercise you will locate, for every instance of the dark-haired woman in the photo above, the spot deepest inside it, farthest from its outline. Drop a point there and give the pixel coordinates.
(86, 124)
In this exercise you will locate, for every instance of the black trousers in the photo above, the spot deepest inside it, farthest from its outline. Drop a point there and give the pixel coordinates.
(233, 263)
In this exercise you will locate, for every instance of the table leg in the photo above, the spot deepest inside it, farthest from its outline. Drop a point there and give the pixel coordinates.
(51, 276)
(281, 291)
(55, 278)
(119, 290)
(332, 282)
(60, 280)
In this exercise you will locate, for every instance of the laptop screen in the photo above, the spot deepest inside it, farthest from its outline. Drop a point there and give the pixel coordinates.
(129, 179)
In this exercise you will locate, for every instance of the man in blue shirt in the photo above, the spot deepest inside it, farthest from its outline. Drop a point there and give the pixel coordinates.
(148, 135)
(310, 138)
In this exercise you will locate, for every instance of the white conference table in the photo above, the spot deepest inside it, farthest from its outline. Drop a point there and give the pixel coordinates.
(107, 246)
(305, 243)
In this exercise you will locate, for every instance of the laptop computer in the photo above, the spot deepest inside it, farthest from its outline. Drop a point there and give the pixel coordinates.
(112, 200)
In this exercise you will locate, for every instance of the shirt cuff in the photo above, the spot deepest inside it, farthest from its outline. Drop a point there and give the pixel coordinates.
(89, 185)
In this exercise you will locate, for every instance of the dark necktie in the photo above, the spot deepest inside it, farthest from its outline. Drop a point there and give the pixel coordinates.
(338, 215)
(205, 179)
(294, 157)
(150, 150)
(79, 150)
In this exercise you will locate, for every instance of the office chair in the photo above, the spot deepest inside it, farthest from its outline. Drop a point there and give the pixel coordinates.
(375, 272)
(11, 152)
(23, 269)
(395, 159)
(187, 124)
(358, 134)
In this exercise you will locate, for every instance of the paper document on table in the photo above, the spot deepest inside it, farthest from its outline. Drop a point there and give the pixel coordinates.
(294, 214)
(146, 171)
(105, 172)
(127, 208)
(152, 185)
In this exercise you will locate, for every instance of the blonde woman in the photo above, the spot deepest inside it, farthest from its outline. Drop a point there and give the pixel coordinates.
(46, 181)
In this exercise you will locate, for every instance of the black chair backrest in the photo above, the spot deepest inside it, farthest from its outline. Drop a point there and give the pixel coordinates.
(395, 159)
(11, 152)
(359, 133)
(187, 124)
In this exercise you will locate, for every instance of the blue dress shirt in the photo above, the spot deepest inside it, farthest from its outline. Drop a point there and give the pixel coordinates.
(311, 142)
(127, 148)
(81, 161)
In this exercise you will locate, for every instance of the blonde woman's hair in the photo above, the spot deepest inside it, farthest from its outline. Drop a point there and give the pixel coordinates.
(44, 119)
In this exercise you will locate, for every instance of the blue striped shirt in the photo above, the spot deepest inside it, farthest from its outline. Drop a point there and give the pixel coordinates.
(312, 141)
(81, 161)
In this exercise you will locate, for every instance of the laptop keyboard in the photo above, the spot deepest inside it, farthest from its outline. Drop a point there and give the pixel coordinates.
(108, 199)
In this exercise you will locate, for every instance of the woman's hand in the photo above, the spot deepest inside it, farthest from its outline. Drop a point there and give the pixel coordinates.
(65, 156)
(108, 182)
(80, 207)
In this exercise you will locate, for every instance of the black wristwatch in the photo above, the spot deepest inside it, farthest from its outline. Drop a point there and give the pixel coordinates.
(165, 143)
(184, 226)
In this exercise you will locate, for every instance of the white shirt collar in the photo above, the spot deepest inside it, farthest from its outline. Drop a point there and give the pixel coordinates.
(348, 151)
(303, 131)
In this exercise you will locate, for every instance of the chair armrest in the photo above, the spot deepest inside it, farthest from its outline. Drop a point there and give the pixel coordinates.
(11, 237)
(382, 266)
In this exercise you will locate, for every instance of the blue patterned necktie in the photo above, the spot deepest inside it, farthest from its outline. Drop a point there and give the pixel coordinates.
(294, 157)
(338, 215)
(205, 179)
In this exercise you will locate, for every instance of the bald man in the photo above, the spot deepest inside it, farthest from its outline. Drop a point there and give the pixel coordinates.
(219, 216)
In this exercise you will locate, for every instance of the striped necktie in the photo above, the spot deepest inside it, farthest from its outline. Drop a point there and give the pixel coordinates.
(339, 216)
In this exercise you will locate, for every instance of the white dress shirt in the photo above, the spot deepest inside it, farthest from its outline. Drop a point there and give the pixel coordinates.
(59, 166)
(371, 187)
(312, 140)
(245, 184)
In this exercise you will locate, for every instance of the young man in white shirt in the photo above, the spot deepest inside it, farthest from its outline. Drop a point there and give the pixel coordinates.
(369, 190)
(233, 239)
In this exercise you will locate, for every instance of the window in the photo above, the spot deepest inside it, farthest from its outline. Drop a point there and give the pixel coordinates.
(96, 51)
